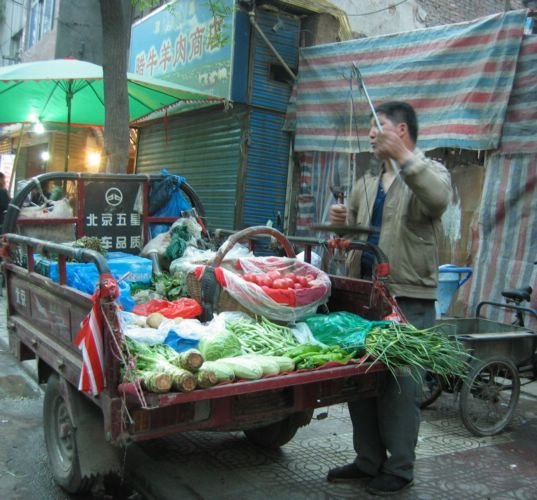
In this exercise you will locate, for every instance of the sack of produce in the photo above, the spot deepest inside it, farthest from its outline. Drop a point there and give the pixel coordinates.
(279, 288)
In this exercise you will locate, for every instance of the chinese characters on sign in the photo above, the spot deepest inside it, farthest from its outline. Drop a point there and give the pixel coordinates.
(110, 216)
(188, 43)
(184, 49)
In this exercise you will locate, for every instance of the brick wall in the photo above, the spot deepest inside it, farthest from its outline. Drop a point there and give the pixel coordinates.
(454, 11)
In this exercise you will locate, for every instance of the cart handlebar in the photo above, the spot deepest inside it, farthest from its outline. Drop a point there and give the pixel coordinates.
(79, 254)
(512, 307)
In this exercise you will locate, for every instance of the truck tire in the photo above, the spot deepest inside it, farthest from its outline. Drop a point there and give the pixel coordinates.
(274, 436)
(61, 441)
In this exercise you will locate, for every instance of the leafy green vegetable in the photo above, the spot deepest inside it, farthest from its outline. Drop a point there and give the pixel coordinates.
(219, 345)
(153, 366)
(285, 363)
(221, 371)
(171, 286)
(243, 367)
(267, 363)
(91, 243)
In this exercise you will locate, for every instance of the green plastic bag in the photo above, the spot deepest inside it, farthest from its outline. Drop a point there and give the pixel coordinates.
(343, 328)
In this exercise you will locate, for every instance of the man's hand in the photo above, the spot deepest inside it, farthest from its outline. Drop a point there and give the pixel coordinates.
(338, 214)
(388, 145)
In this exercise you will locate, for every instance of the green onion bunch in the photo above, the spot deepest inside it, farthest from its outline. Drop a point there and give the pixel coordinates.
(399, 345)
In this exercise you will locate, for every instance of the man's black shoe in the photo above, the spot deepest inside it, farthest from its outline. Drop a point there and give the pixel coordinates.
(347, 472)
(387, 484)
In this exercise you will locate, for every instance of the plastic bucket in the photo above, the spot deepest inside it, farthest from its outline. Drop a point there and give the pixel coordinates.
(450, 278)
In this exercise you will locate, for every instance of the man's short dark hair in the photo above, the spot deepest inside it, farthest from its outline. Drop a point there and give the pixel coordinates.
(2, 175)
(401, 112)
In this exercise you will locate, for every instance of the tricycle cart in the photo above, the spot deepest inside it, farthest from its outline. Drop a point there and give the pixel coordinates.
(502, 354)
(44, 318)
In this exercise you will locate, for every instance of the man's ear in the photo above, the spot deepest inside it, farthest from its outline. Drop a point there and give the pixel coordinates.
(402, 129)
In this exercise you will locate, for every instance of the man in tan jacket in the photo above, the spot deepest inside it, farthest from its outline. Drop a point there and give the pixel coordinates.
(405, 200)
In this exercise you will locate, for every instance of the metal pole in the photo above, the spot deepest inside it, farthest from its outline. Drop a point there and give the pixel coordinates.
(270, 46)
(68, 98)
(360, 79)
(13, 177)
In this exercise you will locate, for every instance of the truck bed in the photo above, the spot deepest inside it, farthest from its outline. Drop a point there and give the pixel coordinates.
(45, 317)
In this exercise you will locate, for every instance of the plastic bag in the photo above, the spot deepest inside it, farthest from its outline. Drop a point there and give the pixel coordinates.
(144, 335)
(340, 328)
(190, 328)
(180, 343)
(162, 190)
(315, 259)
(134, 326)
(144, 296)
(180, 308)
(192, 258)
(167, 200)
(302, 333)
(277, 304)
(60, 209)
(157, 244)
(191, 226)
(125, 298)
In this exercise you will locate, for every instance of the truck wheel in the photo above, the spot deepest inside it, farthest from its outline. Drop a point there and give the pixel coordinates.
(489, 396)
(60, 439)
(275, 435)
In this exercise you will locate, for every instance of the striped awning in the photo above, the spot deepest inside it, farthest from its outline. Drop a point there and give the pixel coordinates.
(519, 133)
(458, 77)
(505, 235)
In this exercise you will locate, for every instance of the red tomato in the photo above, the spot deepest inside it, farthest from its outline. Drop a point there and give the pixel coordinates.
(274, 275)
(264, 280)
(297, 286)
(278, 283)
(288, 283)
(302, 280)
(291, 276)
(248, 277)
(310, 277)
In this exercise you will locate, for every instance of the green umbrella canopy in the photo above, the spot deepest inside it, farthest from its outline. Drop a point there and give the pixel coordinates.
(39, 91)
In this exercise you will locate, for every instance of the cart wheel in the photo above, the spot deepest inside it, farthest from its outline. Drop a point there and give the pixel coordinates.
(432, 388)
(60, 439)
(275, 435)
(489, 396)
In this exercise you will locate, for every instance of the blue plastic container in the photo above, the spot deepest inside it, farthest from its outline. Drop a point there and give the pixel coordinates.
(84, 275)
(450, 278)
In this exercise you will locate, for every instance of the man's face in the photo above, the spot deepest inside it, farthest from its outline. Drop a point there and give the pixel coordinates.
(387, 126)
(2, 182)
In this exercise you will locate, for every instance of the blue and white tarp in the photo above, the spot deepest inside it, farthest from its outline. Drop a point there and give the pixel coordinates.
(458, 78)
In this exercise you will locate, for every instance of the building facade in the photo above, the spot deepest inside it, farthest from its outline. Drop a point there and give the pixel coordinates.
(32, 30)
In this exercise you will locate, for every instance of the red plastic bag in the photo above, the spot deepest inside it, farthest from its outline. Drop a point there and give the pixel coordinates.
(180, 308)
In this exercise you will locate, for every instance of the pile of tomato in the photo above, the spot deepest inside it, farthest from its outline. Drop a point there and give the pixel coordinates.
(280, 281)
